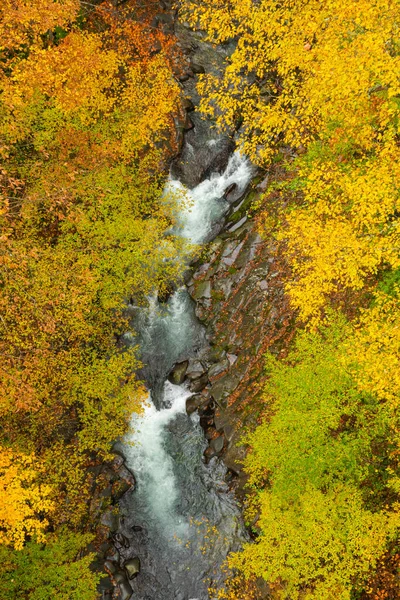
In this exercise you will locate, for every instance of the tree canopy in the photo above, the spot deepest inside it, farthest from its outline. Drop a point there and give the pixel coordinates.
(87, 106)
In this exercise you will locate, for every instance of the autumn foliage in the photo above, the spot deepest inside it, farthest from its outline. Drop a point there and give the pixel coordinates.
(87, 106)
(315, 86)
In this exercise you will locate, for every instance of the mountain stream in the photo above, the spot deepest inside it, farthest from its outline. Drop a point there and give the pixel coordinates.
(181, 520)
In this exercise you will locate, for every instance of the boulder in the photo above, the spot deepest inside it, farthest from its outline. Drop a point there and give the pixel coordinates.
(105, 548)
(202, 289)
(199, 384)
(215, 354)
(229, 431)
(110, 519)
(238, 225)
(234, 457)
(110, 567)
(194, 402)
(232, 358)
(119, 577)
(132, 567)
(118, 461)
(264, 184)
(217, 444)
(204, 151)
(218, 368)
(106, 492)
(126, 475)
(105, 588)
(209, 433)
(126, 590)
(107, 594)
(119, 488)
(209, 453)
(178, 373)
(194, 370)
(221, 418)
(223, 387)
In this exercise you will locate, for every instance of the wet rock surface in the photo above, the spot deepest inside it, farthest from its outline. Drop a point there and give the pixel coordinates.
(236, 287)
(111, 481)
(239, 295)
(132, 567)
(203, 147)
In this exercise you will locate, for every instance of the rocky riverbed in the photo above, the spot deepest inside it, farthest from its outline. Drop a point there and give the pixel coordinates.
(237, 293)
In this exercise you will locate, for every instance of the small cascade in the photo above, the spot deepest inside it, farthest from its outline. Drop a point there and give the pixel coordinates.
(182, 520)
(205, 204)
(153, 465)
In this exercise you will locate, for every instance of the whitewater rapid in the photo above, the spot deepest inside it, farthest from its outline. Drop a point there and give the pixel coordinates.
(182, 520)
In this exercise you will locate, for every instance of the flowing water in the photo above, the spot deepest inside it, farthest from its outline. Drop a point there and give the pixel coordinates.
(181, 520)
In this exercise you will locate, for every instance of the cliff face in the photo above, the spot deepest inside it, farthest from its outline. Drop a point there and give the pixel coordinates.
(237, 286)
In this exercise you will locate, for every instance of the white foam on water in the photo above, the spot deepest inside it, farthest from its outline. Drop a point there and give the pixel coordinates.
(147, 456)
(204, 204)
(166, 334)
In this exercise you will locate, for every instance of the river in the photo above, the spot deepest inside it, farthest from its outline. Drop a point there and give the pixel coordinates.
(182, 520)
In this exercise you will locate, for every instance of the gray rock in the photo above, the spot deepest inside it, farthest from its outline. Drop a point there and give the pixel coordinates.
(105, 548)
(238, 224)
(232, 358)
(209, 453)
(209, 433)
(118, 461)
(194, 402)
(218, 368)
(110, 519)
(119, 577)
(229, 431)
(217, 444)
(232, 187)
(225, 285)
(110, 567)
(195, 369)
(209, 158)
(223, 387)
(177, 375)
(263, 285)
(126, 590)
(221, 419)
(264, 184)
(199, 384)
(106, 492)
(120, 488)
(233, 458)
(215, 354)
(202, 289)
(127, 475)
(132, 567)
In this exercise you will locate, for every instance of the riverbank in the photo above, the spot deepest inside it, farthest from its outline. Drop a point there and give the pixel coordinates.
(236, 288)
